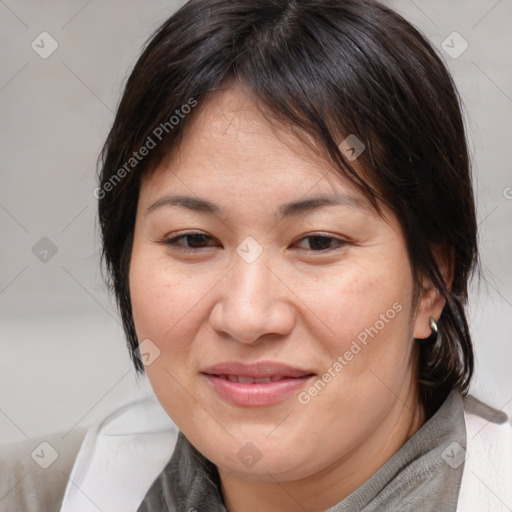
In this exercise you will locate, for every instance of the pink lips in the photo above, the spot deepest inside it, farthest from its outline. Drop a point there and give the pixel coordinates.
(258, 384)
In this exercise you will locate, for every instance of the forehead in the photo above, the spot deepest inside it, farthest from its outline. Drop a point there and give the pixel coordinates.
(233, 143)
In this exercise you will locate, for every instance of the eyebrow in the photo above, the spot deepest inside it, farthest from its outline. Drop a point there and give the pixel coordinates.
(293, 208)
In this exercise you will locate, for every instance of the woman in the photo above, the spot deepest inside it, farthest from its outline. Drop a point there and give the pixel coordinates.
(289, 229)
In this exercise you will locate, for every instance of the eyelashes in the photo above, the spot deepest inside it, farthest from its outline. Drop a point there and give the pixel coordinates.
(197, 237)
(195, 242)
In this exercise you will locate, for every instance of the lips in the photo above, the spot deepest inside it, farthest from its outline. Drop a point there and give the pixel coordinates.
(251, 380)
(260, 370)
(260, 384)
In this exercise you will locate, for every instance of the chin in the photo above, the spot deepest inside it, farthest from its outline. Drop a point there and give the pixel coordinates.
(258, 458)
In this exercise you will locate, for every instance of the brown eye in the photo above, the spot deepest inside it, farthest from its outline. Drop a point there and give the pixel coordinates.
(191, 241)
(320, 243)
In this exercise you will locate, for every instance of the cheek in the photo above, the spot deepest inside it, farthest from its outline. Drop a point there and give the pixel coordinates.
(170, 308)
(162, 297)
(165, 311)
(359, 303)
(363, 320)
(369, 353)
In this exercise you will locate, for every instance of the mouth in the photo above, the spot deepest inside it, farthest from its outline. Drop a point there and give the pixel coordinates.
(259, 384)
(252, 380)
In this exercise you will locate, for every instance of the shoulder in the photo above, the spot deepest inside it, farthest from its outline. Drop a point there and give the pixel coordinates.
(125, 451)
(34, 470)
(487, 478)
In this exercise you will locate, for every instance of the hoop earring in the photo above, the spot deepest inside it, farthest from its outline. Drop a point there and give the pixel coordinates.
(433, 326)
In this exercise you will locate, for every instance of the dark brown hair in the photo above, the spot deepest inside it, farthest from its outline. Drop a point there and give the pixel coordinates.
(328, 68)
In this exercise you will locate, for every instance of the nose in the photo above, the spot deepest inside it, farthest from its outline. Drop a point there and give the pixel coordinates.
(253, 302)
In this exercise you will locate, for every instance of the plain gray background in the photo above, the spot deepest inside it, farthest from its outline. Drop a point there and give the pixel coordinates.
(63, 360)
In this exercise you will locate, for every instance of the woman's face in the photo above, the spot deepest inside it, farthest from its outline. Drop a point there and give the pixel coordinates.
(270, 275)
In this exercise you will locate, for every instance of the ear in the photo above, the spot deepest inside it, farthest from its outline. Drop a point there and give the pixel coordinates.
(431, 302)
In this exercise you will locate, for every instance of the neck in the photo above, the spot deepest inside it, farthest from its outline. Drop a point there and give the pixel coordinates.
(322, 490)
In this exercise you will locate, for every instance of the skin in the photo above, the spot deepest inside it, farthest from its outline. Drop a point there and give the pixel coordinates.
(294, 304)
